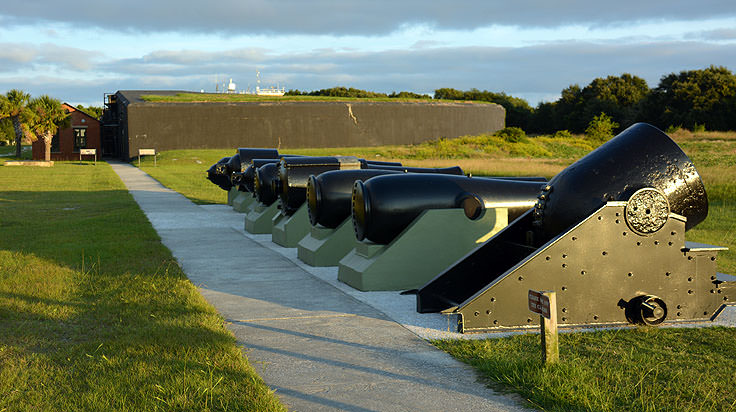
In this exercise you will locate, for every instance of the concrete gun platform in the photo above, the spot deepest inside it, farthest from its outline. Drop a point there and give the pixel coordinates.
(319, 344)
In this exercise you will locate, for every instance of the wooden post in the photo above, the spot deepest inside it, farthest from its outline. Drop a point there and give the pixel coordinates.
(550, 339)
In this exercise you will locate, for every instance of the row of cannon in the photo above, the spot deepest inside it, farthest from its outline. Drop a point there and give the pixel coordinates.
(607, 233)
(383, 198)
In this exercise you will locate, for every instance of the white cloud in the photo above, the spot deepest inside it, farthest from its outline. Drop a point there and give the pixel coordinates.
(352, 17)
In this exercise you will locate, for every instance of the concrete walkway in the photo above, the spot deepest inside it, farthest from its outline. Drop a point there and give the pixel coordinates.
(318, 347)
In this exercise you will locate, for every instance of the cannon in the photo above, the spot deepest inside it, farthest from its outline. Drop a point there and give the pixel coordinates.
(245, 180)
(607, 234)
(247, 154)
(294, 174)
(264, 183)
(329, 194)
(384, 206)
(217, 174)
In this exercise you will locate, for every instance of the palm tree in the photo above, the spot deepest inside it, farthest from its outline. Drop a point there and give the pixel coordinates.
(48, 115)
(16, 108)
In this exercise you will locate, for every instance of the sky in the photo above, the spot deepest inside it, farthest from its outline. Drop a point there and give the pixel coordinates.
(78, 51)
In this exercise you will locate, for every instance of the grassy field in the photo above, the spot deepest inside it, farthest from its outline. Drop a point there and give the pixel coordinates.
(234, 98)
(95, 314)
(622, 370)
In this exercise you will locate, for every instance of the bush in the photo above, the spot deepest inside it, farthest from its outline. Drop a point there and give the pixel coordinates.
(601, 128)
(512, 134)
(562, 134)
(673, 129)
(699, 127)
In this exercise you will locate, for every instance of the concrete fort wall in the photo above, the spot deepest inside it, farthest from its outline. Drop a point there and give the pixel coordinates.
(166, 126)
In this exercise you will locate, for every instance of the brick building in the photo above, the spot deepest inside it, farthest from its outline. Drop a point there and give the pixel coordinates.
(82, 133)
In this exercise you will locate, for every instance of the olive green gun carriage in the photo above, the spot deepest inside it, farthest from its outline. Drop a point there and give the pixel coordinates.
(608, 236)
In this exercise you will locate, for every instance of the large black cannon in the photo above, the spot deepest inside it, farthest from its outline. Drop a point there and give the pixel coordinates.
(265, 183)
(245, 180)
(383, 206)
(608, 235)
(294, 174)
(329, 194)
(217, 174)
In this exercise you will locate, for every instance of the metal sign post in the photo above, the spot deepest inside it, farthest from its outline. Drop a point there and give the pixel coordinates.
(545, 304)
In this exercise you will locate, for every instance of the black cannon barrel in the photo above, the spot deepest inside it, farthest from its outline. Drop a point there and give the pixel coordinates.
(641, 156)
(216, 174)
(294, 175)
(264, 183)
(384, 206)
(377, 163)
(247, 154)
(329, 194)
(246, 179)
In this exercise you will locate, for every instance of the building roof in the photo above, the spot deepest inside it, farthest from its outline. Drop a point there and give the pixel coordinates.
(134, 96)
(81, 111)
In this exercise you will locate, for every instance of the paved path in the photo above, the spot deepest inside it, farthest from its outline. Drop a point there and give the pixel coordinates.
(318, 347)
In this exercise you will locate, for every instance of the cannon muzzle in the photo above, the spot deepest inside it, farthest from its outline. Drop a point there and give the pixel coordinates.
(329, 194)
(263, 187)
(382, 207)
(217, 174)
(641, 156)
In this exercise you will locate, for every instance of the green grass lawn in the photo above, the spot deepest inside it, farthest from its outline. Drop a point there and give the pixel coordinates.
(622, 370)
(232, 98)
(95, 314)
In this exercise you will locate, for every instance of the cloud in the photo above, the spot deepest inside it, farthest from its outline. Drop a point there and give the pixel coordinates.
(24, 56)
(537, 72)
(350, 17)
(714, 35)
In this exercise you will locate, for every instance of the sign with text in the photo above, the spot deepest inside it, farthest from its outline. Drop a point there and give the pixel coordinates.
(87, 151)
(539, 303)
(146, 152)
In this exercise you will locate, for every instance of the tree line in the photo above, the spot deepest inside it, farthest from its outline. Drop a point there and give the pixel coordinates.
(32, 118)
(692, 99)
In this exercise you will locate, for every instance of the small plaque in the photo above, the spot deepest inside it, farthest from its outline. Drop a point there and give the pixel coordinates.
(87, 151)
(539, 303)
(146, 152)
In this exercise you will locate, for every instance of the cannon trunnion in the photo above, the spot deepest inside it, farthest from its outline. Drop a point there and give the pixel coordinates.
(608, 235)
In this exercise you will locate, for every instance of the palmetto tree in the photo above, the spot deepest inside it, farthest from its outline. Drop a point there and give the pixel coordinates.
(15, 106)
(48, 115)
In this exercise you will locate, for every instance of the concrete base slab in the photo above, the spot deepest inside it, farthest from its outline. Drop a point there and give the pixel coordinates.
(325, 247)
(242, 202)
(259, 219)
(289, 230)
(435, 240)
(231, 194)
(37, 163)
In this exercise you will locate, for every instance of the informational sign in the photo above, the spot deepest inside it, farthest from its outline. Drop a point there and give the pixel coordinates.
(146, 152)
(539, 303)
(87, 152)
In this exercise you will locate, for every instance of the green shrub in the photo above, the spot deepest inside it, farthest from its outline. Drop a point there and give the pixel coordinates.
(600, 128)
(562, 134)
(699, 127)
(673, 129)
(512, 134)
